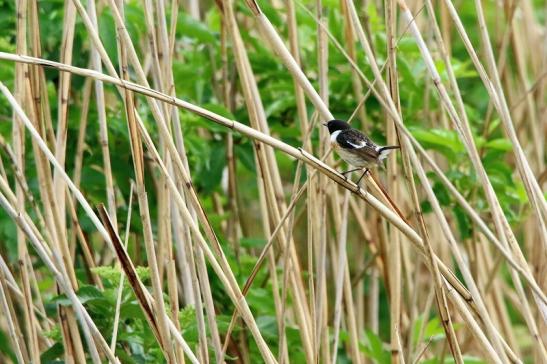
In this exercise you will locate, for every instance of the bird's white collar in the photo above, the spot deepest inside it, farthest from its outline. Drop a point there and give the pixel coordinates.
(334, 135)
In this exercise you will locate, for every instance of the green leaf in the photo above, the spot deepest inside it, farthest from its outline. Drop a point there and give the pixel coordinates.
(252, 242)
(134, 20)
(54, 334)
(260, 299)
(54, 352)
(131, 337)
(131, 310)
(213, 19)
(88, 293)
(434, 329)
(500, 144)
(463, 69)
(187, 316)
(279, 105)
(245, 155)
(418, 323)
(5, 347)
(219, 109)
(373, 347)
(223, 322)
(444, 141)
(110, 273)
(493, 125)
(464, 224)
(143, 273)
(450, 360)
(189, 27)
(267, 326)
(441, 193)
(212, 166)
(60, 299)
(107, 31)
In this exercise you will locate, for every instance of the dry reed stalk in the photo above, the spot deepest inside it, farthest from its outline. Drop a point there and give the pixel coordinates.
(84, 245)
(78, 159)
(80, 145)
(122, 276)
(95, 61)
(319, 199)
(32, 335)
(270, 254)
(18, 345)
(317, 209)
(32, 351)
(234, 230)
(299, 93)
(36, 77)
(283, 354)
(394, 249)
(349, 36)
(517, 40)
(341, 268)
(350, 317)
(67, 42)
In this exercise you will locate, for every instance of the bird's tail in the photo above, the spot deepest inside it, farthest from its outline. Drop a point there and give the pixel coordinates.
(384, 151)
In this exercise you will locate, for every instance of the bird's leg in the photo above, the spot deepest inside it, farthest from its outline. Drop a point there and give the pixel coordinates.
(359, 181)
(363, 175)
(346, 172)
(351, 170)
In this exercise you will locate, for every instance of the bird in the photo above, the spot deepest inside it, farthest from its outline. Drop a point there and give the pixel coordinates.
(356, 148)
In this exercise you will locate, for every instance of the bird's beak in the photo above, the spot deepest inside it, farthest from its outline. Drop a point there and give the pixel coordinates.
(324, 124)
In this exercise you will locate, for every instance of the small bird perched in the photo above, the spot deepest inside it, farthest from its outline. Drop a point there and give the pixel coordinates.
(355, 147)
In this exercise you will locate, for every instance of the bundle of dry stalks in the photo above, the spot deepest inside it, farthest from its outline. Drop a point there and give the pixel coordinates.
(333, 252)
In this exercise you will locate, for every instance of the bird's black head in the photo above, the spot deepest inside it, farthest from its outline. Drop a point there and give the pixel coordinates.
(335, 125)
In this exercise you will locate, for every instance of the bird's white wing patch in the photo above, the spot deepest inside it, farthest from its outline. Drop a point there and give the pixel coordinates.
(358, 145)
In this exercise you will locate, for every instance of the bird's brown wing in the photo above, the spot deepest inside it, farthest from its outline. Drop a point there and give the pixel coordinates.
(368, 154)
(358, 143)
